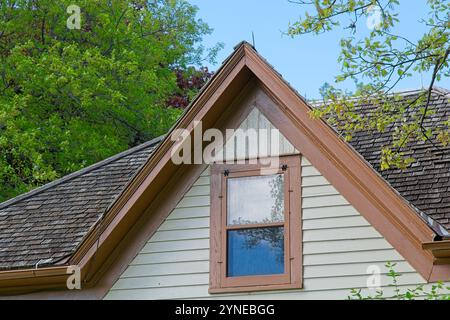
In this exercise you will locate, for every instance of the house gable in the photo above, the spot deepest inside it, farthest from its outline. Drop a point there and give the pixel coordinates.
(340, 246)
(159, 185)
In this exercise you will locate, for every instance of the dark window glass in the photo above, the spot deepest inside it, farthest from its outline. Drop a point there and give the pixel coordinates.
(256, 251)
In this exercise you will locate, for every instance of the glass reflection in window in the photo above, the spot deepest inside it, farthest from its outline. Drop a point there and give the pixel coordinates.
(255, 251)
(257, 199)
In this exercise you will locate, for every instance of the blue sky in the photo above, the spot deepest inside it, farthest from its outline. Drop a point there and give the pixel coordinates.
(307, 61)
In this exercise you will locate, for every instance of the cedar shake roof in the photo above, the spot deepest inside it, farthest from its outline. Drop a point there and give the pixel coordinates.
(426, 183)
(46, 225)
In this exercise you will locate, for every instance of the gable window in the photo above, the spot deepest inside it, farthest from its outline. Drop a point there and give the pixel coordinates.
(255, 226)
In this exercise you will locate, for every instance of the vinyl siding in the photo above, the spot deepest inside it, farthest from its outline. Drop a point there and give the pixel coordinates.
(338, 247)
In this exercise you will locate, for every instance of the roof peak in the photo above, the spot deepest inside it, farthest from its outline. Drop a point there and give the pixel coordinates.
(243, 43)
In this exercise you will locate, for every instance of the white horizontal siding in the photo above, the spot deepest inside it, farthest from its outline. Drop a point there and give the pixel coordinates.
(319, 283)
(344, 246)
(342, 222)
(170, 257)
(180, 224)
(161, 269)
(198, 292)
(188, 234)
(338, 247)
(340, 234)
(176, 245)
(328, 212)
(189, 213)
(194, 201)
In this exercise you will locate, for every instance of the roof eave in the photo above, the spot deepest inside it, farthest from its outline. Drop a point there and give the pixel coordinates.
(440, 251)
(28, 280)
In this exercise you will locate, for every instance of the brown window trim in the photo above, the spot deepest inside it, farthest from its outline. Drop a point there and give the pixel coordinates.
(292, 278)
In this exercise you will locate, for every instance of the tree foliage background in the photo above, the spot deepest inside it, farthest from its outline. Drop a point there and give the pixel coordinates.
(377, 60)
(71, 97)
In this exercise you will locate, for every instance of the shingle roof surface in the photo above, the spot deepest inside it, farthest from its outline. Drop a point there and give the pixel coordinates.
(50, 222)
(426, 183)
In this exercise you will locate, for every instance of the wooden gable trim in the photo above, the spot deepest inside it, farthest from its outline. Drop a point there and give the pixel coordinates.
(345, 168)
(388, 213)
(98, 278)
(336, 160)
(160, 158)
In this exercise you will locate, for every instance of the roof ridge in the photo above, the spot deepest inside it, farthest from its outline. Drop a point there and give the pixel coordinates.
(404, 92)
(442, 91)
(80, 172)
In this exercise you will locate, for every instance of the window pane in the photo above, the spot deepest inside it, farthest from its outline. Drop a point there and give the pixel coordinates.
(258, 251)
(257, 199)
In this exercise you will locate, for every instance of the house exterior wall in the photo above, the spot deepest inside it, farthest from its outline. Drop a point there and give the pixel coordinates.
(339, 246)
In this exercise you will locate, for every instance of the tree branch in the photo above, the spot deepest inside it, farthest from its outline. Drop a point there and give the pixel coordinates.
(439, 63)
(437, 67)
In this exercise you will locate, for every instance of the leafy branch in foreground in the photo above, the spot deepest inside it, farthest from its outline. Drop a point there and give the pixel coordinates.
(377, 63)
(437, 291)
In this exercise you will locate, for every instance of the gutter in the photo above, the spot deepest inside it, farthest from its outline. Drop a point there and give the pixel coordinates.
(31, 273)
(440, 251)
(26, 280)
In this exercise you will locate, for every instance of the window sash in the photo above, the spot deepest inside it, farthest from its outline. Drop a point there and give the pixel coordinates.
(220, 282)
(253, 174)
(254, 279)
(238, 266)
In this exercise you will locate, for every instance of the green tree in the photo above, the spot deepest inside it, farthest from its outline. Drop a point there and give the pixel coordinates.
(377, 61)
(70, 97)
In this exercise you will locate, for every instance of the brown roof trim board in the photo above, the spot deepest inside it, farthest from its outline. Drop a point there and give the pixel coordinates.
(352, 176)
(149, 180)
(134, 198)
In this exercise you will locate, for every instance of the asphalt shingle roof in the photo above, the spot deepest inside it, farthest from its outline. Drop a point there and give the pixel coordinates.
(46, 225)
